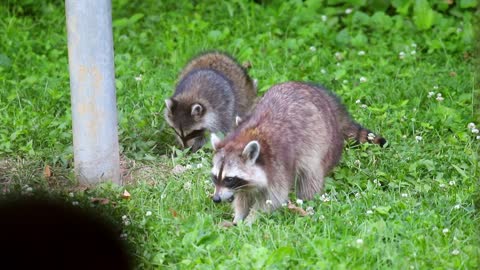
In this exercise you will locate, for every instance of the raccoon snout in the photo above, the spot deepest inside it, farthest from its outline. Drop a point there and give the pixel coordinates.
(216, 198)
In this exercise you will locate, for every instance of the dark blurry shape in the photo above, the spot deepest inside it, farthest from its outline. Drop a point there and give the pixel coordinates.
(41, 233)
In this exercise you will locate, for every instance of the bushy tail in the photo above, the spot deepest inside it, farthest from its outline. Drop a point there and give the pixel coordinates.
(355, 131)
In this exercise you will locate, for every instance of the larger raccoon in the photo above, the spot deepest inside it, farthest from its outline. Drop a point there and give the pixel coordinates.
(211, 91)
(293, 138)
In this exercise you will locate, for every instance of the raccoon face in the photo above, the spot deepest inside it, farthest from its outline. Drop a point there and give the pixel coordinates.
(185, 120)
(236, 170)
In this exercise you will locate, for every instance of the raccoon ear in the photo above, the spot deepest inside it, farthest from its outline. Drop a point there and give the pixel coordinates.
(214, 140)
(238, 120)
(197, 109)
(169, 103)
(251, 151)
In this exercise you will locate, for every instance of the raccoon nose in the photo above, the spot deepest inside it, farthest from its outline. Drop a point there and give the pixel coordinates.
(216, 198)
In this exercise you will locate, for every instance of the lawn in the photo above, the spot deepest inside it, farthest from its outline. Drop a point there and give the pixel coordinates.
(405, 69)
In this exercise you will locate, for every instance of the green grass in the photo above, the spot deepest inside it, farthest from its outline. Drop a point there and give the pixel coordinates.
(399, 201)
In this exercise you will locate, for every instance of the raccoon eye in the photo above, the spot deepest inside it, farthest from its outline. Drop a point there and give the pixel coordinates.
(228, 180)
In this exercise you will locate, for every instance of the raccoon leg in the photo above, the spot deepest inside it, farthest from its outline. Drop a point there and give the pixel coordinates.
(242, 204)
(198, 143)
(308, 184)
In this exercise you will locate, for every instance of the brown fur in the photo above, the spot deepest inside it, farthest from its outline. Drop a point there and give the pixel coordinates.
(300, 129)
(220, 86)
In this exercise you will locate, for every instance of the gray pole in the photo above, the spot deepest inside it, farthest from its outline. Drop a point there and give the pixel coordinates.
(92, 83)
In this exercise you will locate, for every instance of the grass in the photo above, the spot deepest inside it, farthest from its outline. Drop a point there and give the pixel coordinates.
(412, 205)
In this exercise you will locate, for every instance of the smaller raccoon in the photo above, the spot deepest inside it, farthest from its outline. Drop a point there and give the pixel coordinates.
(212, 89)
(293, 139)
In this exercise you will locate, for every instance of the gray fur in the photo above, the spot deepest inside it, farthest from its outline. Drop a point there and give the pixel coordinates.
(300, 131)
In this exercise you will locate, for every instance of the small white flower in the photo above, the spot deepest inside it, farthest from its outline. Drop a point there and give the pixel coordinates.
(321, 217)
(299, 201)
(418, 138)
(363, 106)
(430, 94)
(74, 203)
(363, 79)
(442, 185)
(435, 87)
(313, 49)
(404, 136)
(187, 185)
(371, 137)
(374, 207)
(324, 18)
(474, 130)
(478, 137)
(471, 125)
(455, 252)
(401, 55)
(189, 166)
(376, 182)
(439, 94)
(357, 162)
(124, 217)
(325, 198)
(199, 165)
(149, 213)
(369, 212)
(451, 183)
(29, 189)
(338, 55)
(404, 195)
(310, 210)
(126, 222)
(357, 195)
(457, 206)
(71, 194)
(413, 52)
(359, 241)
(323, 71)
(348, 11)
(358, 101)
(269, 202)
(361, 53)
(414, 45)
(284, 204)
(439, 98)
(123, 235)
(163, 196)
(138, 78)
(445, 231)
(338, 64)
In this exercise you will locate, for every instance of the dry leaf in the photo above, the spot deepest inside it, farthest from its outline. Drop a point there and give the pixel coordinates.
(453, 74)
(100, 200)
(47, 172)
(297, 209)
(174, 213)
(126, 194)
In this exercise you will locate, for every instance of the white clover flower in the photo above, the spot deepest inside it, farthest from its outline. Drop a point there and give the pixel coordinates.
(358, 101)
(457, 206)
(321, 217)
(471, 125)
(124, 217)
(138, 78)
(369, 212)
(439, 97)
(338, 55)
(435, 87)
(126, 222)
(187, 185)
(357, 195)
(149, 213)
(413, 52)
(323, 71)
(371, 137)
(199, 165)
(325, 198)
(310, 210)
(75, 203)
(474, 130)
(29, 189)
(401, 55)
(451, 183)
(269, 202)
(455, 252)
(163, 196)
(359, 241)
(418, 138)
(348, 11)
(357, 162)
(313, 49)
(361, 53)
(445, 231)
(324, 18)
(299, 201)
(363, 79)
(404, 195)
(363, 106)
(442, 185)
(404, 136)
(284, 204)
(189, 166)
(430, 94)
(123, 236)
(376, 182)
(71, 194)
(414, 45)
(478, 137)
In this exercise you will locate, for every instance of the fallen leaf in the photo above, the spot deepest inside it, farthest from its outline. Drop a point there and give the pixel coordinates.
(100, 200)
(126, 194)
(297, 209)
(453, 74)
(174, 213)
(47, 172)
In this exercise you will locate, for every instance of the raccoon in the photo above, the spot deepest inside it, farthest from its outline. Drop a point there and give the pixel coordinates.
(293, 139)
(212, 89)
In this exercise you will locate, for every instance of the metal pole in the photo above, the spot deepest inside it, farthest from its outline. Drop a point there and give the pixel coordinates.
(92, 83)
